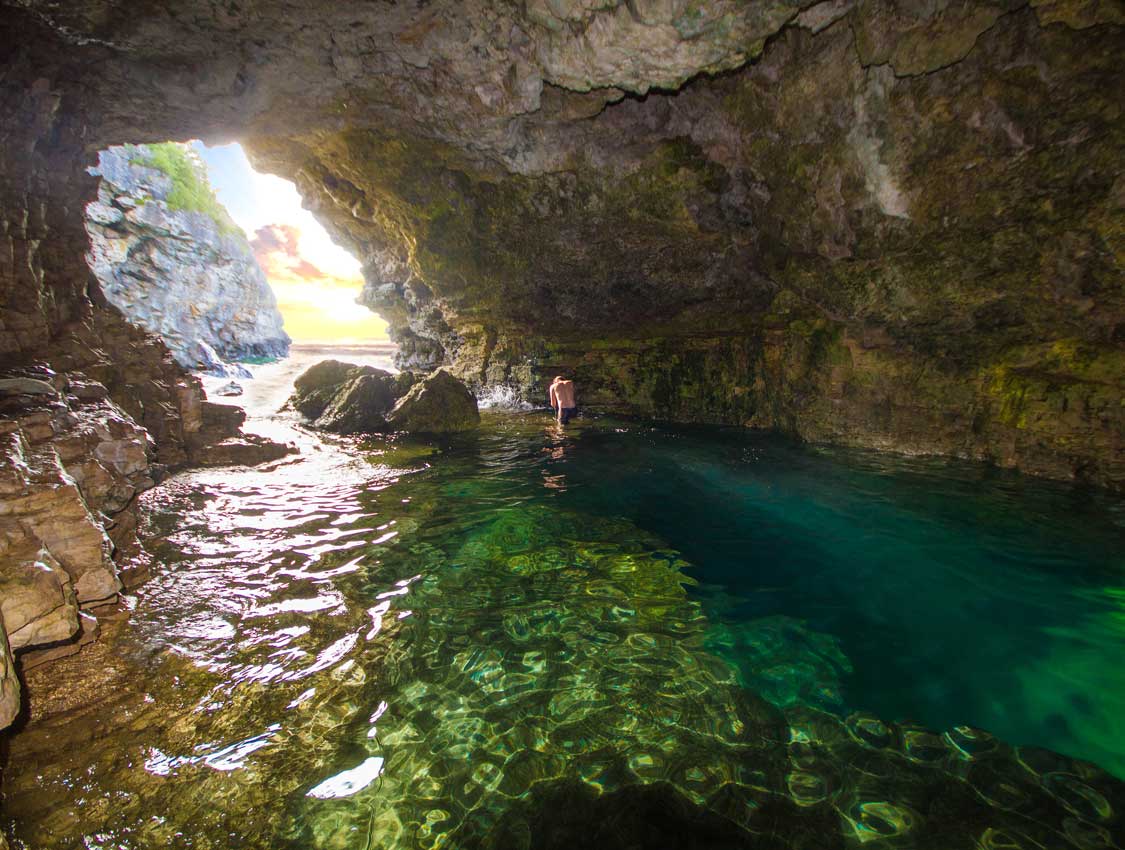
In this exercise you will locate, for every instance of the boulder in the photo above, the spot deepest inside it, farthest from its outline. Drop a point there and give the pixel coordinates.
(37, 600)
(316, 386)
(438, 404)
(347, 399)
(231, 388)
(361, 405)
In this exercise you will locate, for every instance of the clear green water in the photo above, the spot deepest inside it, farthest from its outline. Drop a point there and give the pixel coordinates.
(496, 642)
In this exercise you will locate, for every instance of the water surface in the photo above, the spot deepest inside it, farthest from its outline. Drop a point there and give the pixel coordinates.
(406, 644)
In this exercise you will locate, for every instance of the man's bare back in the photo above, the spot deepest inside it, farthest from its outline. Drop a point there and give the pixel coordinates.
(562, 399)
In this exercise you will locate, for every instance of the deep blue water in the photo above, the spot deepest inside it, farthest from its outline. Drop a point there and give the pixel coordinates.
(958, 593)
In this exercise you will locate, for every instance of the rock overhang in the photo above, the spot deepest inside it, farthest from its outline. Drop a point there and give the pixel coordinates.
(844, 199)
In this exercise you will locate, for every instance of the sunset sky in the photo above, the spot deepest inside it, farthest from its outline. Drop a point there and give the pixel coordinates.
(316, 281)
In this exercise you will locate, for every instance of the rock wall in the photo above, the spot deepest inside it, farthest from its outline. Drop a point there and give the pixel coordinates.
(897, 228)
(186, 274)
(93, 410)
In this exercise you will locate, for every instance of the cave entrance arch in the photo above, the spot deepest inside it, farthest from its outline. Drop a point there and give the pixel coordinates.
(221, 261)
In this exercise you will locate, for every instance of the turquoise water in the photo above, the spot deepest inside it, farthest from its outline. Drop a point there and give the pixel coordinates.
(612, 635)
(951, 593)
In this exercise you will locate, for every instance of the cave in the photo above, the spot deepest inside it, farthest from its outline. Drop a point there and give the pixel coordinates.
(879, 225)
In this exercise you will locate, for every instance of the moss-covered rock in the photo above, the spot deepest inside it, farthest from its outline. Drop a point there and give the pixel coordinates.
(438, 404)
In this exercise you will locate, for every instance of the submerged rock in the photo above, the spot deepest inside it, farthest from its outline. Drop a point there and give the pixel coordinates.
(438, 404)
(347, 399)
(170, 258)
(232, 388)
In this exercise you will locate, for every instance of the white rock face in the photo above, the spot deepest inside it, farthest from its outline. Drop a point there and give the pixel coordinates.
(179, 273)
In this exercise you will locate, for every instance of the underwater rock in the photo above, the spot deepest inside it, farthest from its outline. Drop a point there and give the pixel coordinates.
(231, 388)
(567, 815)
(170, 258)
(438, 404)
(784, 660)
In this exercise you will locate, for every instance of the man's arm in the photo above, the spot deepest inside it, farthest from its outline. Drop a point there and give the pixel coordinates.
(554, 399)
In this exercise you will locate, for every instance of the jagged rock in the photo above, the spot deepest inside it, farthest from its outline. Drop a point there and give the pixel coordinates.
(438, 404)
(172, 260)
(232, 388)
(207, 360)
(87, 633)
(245, 450)
(361, 404)
(42, 498)
(87, 390)
(71, 467)
(36, 598)
(25, 386)
(9, 687)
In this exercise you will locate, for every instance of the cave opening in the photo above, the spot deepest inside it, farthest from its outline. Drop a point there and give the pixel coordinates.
(825, 279)
(221, 261)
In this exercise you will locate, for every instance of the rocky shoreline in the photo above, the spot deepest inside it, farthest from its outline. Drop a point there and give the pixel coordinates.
(79, 445)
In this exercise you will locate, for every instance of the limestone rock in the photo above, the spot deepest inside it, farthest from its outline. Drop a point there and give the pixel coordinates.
(244, 450)
(9, 687)
(36, 597)
(170, 258)
(41, 497)
(361, 404)
(438, 404)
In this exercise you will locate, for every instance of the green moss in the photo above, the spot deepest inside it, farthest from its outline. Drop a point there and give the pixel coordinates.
(191, 190)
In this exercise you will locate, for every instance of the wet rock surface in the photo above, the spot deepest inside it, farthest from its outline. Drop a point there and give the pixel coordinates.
(73, 462)
(436, 404)
(347, 399)
(186, 274)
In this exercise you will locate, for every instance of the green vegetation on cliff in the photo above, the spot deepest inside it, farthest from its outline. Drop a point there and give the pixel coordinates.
(191, 190)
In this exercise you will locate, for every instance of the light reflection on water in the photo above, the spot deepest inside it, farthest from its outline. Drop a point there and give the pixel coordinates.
(403, 646)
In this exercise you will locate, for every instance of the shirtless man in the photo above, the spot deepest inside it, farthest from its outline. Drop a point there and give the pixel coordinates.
(562, 399)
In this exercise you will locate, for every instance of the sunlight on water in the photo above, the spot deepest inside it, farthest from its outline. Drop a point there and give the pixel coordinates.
(494, 641)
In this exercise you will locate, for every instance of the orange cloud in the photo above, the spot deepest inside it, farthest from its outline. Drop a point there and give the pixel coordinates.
(315, 304)
(277, 249)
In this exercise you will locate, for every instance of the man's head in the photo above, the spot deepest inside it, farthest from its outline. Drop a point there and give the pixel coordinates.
(559, 378)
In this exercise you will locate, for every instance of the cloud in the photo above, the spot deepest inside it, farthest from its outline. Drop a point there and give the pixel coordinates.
(277, 248)
(315, 304)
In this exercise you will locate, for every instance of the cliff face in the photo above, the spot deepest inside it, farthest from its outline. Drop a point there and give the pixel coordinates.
(169, 257)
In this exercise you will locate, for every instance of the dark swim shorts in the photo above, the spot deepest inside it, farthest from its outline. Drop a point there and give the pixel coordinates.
(567, 413)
